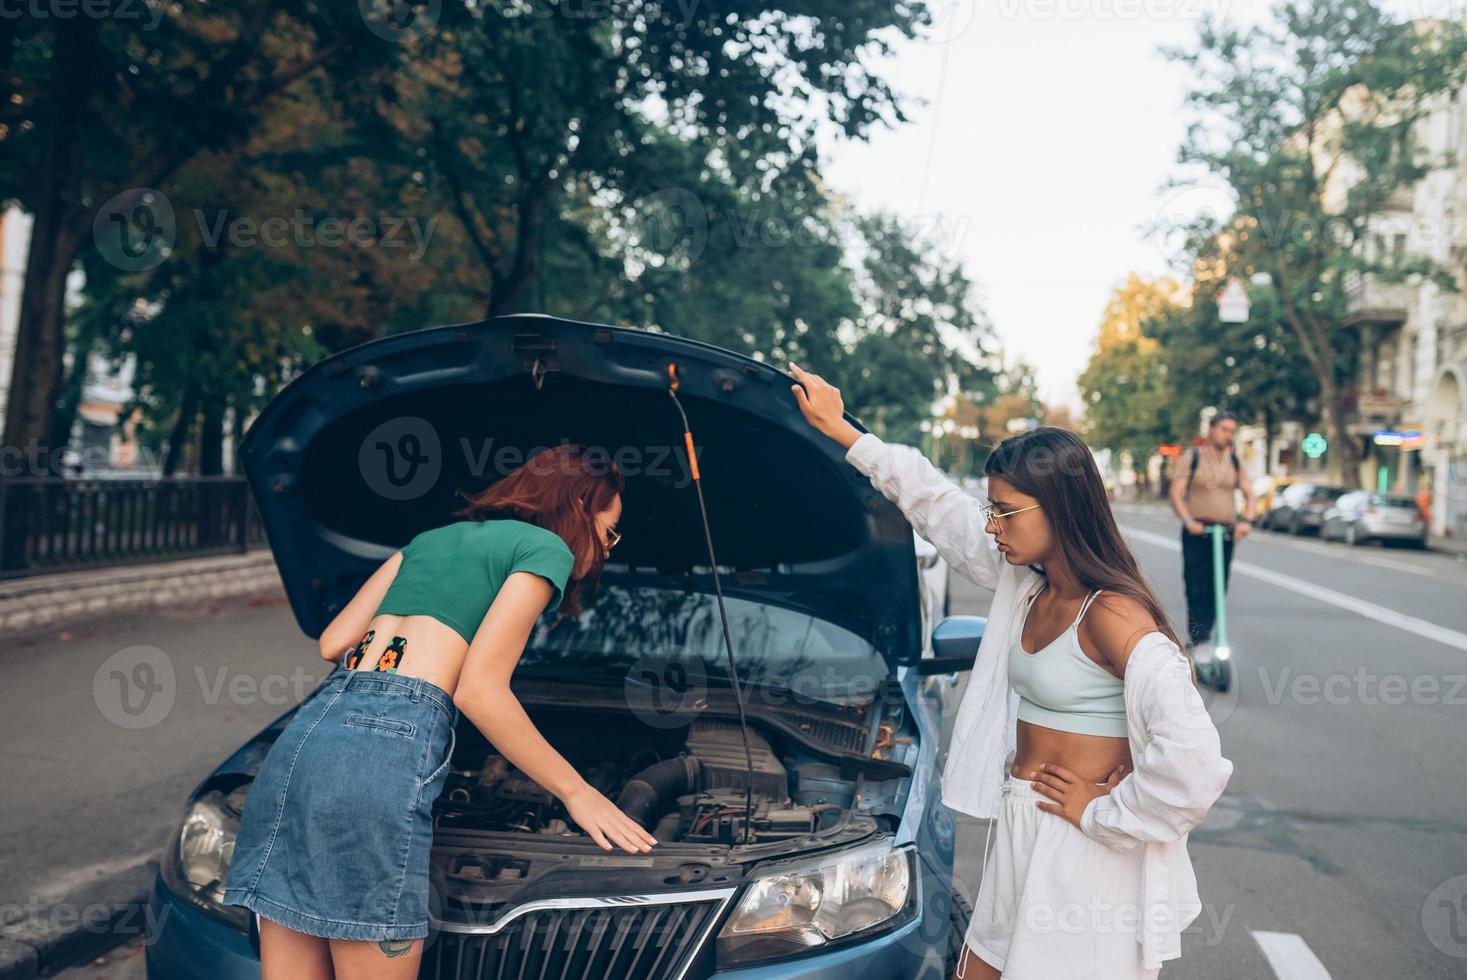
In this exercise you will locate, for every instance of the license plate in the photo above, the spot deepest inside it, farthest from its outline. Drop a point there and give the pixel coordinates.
(1398, 517)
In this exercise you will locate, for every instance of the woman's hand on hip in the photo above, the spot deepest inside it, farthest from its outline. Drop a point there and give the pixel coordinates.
(605, 821)
(821, 404)
(1071, 793)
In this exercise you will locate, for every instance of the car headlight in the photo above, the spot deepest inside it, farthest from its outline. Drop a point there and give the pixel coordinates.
(197, 863)
(795, 910)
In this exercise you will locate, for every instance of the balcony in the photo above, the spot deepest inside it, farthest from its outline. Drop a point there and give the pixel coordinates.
(1366, 410)
(1368, 300)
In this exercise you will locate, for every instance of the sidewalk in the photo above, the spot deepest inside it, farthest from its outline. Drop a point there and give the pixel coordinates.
(91, 803)
(1445, 545)
(41, 601)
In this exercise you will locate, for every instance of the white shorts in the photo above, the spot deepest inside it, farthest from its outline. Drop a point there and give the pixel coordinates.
(1053, 902)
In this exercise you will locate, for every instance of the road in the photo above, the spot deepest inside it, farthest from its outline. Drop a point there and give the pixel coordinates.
(1338, 851)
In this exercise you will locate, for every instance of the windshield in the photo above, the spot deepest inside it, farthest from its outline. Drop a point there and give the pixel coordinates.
(666, 636)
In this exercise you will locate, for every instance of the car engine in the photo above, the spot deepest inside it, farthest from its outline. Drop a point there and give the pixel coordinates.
(695, 796)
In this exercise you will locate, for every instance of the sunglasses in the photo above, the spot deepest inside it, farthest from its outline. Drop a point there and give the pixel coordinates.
(989, 514)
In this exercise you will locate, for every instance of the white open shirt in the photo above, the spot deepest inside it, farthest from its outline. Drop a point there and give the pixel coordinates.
(1179, 770)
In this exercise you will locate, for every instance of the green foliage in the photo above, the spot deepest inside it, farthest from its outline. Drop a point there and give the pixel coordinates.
(1311, 122)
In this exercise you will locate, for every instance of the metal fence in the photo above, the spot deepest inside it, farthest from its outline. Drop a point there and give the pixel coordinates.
(55, 524)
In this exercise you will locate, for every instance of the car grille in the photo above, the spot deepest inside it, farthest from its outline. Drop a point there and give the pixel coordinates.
(602, 941)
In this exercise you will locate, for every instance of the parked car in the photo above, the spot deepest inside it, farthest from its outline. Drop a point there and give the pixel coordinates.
(1283, 502)
(1267, 491)
(1362, 516)
(846, 864)
(1301, 506)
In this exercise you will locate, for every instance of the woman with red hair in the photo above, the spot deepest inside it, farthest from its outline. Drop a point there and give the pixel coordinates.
(333, 843)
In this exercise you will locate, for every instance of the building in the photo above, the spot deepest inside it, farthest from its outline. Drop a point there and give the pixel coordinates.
(1407, 401)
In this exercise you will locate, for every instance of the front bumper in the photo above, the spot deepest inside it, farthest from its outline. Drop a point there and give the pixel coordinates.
(186, 944)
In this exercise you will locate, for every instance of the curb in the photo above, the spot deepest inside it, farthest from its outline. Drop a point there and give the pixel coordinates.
(105, 914)
(44, 601)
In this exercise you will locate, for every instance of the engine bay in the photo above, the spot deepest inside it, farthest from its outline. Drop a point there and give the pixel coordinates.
(686, 785)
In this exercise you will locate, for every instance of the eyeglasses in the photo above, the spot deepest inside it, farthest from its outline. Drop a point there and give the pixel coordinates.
(989, 514)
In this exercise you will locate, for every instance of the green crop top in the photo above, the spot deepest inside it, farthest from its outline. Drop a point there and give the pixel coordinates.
(453, 573)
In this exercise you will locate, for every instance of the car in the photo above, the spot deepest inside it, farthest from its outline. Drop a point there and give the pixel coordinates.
(1269, 492)
(934, 573)
(1362, 516)
(842, 864)
(1266, 492)
(1307, 507)
(1299, 507)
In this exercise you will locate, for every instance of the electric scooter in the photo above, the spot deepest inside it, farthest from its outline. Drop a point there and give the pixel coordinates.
(1216, 670)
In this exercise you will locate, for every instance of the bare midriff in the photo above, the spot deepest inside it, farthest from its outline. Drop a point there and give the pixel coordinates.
(1090, 757)
(430, 649)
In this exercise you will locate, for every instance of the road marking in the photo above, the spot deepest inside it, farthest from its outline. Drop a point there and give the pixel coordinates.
(1369, 610)
(1290, 956)
(1328, 552)
(1288, 541)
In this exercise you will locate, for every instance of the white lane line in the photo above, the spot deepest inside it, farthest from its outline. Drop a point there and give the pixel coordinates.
(1335, 553)
(1327, 551)
(1369, 610)
(1290, 956)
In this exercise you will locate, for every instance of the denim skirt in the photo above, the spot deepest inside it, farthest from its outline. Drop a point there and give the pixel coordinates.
(337, 826)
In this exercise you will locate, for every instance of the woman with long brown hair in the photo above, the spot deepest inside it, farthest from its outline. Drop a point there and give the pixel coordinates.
(1082, 737)
(333, 843)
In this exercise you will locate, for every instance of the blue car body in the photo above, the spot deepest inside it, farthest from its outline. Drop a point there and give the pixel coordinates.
(847, 566)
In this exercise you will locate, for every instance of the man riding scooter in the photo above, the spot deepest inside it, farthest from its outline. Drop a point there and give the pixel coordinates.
(1202, 494)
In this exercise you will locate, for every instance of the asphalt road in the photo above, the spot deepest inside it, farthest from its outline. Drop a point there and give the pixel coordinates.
(1339, 849)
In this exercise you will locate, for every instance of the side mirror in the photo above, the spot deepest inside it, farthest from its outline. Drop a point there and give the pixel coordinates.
(954, 645)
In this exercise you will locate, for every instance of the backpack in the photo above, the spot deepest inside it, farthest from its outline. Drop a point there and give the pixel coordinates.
(1197, 456)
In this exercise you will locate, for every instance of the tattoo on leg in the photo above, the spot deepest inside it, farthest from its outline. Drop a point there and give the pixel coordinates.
(394, 947)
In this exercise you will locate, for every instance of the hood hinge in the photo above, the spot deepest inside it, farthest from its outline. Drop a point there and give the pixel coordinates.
(537, 355)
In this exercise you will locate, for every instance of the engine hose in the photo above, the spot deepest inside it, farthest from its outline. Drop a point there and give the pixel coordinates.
(653, 791)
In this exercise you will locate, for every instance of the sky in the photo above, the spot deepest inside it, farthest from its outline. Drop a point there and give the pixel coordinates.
(1049, 131)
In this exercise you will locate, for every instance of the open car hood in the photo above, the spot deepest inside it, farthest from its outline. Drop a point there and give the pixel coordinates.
(368, 447)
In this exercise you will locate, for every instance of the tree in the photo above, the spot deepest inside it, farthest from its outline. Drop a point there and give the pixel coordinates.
(1129, 399)
(515, 106)
(920, 336)
(94, 110)
(1310, 121)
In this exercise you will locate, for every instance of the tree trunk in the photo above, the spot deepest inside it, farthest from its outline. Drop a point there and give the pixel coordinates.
(1345, 460)
(36, 375)
(211, 439)
(525, 267)
(178, 438)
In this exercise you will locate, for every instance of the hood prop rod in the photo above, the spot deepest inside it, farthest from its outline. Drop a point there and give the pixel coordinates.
(733, 672)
